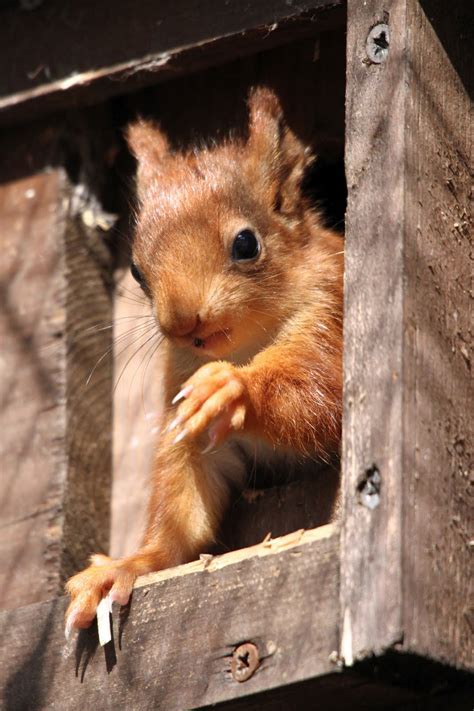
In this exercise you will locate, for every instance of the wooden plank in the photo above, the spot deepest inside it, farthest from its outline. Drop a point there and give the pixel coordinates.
(175, 644)
(305, 503)
(32, 391)
(371, 586)
(406, 563)
(50, 276)
(59, 50)
(209, 104)
(438, 316)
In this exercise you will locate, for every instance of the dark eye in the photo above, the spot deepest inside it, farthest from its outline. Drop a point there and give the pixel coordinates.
(245, 246)
(138, 276)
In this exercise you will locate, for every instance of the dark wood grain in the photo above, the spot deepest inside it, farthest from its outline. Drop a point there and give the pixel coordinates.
(64, 51)
(278, 510)
(55, 430)
(406, 574)
(173, 650)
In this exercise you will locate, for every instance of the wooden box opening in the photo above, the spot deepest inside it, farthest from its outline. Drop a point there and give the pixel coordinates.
(308, 76)
(67, 179)
(327, 608)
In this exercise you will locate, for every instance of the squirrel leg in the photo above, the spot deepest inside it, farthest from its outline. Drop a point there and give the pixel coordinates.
(189, 496)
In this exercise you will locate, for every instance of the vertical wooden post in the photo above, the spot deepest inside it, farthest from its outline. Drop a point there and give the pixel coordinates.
(438, 427)
(407, 333)
(372, 446)
(55, 428)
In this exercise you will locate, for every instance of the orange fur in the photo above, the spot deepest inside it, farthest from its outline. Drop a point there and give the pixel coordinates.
(269, 369)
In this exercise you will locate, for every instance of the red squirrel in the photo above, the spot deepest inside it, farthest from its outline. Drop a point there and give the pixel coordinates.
(245, 283)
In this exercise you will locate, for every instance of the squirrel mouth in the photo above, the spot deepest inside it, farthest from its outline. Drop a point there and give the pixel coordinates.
(213, 339)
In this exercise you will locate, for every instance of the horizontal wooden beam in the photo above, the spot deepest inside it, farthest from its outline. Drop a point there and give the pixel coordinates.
(173, 647)
(65, 51)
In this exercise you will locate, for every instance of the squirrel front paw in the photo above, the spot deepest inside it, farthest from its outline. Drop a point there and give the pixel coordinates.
(87, 588)
(215, 399)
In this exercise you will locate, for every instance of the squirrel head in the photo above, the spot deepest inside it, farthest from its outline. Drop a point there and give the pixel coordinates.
(218, 230)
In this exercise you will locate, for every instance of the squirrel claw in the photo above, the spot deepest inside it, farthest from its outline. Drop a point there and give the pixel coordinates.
(215, 400)
(70, 623)
(182, 395)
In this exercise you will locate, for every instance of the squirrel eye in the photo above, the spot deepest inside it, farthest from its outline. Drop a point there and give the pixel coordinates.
(138, 276)
(245, 246)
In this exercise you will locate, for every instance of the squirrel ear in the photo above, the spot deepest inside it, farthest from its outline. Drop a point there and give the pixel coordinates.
(278, 156)
(150, 147)
(266, 124)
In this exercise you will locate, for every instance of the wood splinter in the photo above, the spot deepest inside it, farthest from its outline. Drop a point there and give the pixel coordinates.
(104, 611)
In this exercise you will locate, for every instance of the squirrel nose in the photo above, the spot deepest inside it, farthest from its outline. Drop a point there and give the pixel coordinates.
(181, 325)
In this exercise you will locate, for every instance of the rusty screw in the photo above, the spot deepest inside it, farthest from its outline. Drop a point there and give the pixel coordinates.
(245, 661)
(377, 43)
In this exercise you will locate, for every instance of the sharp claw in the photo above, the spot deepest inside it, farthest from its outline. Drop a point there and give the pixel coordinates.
(71, 618)
(211, 444)
(209, 448)
(119, 598)
(174, 423)
(180, 436)
(183, 393)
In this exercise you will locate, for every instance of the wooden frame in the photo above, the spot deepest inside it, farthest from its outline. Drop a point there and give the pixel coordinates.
(407, 311)
(319, 601)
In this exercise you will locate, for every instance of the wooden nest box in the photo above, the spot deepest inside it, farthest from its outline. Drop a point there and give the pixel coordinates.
(372, 610)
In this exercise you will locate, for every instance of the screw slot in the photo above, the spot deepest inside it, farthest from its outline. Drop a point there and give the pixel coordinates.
(368, 488)
(377, 43)
(245, 661)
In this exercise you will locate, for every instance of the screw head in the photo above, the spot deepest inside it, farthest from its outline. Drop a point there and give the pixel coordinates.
(245, 662)
(368, 488)
(377, 43)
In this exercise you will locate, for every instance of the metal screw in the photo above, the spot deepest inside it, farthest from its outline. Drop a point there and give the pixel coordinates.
(377, 43)
(245, 661)
(368, 488)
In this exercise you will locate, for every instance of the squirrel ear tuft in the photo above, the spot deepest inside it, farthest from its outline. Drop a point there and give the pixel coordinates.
(146, 141)
(150, 147)
(266, 122)
(279, 158)
(264, 106)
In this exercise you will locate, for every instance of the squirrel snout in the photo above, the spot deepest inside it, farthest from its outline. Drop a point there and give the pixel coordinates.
(180, 325)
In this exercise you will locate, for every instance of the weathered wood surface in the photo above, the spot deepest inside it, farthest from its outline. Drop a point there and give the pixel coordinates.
(32, 386)
(406, 563)
(54, 432)
(438, 428)
(305, 503)
(307, 74)
(89, 51)
(373, 335)
(174, 646)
